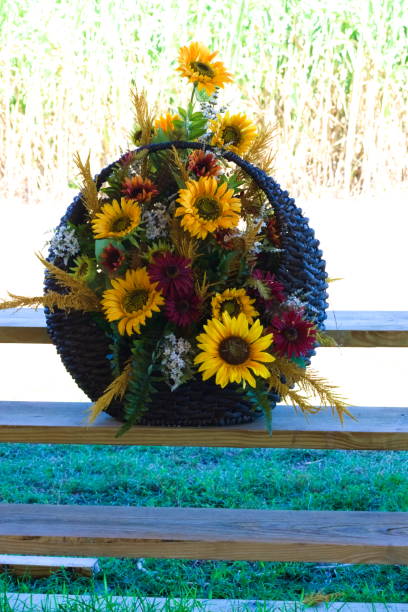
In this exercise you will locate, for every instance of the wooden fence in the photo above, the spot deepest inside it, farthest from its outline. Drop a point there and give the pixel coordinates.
(206, 533)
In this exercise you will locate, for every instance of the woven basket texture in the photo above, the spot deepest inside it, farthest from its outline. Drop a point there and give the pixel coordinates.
(83, 345)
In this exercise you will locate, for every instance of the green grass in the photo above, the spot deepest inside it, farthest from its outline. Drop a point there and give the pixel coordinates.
(260, 478)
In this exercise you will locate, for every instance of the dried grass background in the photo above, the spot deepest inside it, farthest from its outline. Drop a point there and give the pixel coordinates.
(330, 75)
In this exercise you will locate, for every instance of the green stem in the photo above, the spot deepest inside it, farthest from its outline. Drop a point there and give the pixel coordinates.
(192, 95)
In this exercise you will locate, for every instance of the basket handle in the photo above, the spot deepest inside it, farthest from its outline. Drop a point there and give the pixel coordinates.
(258, 175)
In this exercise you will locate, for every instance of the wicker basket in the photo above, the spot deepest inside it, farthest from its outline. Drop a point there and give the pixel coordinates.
(84, 347)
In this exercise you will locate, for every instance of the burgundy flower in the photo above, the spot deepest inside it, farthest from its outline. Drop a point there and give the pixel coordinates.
(183, 310)
(272, 232)
(293, 336)
(201, 163)
(275, 288)
(139, 189)
(172, 273)
(127, 158)
(224, 237)
(111, 259)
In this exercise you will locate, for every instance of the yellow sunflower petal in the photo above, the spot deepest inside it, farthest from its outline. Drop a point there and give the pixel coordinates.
(233, 132)
(197, 65)
(234, 352)
(132, 300)
(204, 206)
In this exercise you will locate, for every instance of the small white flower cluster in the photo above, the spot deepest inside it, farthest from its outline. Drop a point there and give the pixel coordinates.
(257, 247)
(295, 302)
(64, 243)
(210, 110)
(156, 221)
(175, 363)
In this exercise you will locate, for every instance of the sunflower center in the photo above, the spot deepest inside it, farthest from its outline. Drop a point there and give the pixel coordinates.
(231, 135)
(183, 306)
(291, 334)
(120, 224)
(234, 350)
(202, 69)
(172, 271)
(208, 208)
(232, 307)
(135, 300)
(135, 190)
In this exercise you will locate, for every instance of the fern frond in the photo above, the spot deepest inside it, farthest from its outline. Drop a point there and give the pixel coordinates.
(88, 185)
(261, 288)
(140, 388)
(117, 388)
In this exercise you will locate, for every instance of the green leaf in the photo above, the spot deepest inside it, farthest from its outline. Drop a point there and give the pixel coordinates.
(201, 95)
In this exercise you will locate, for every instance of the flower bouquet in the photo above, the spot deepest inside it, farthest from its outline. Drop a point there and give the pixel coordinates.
(183, 286)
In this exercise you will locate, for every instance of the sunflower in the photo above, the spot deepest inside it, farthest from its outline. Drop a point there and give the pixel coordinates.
(233, 132)
(206, 206)
(233, 301)
(156, 248)
(139, 188)
(84, 269)
(230, 349)
(131, 301)
(166, 122)
(116, 220)
(197, 65)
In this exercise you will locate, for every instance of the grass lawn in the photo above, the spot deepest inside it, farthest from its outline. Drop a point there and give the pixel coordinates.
(230, 478)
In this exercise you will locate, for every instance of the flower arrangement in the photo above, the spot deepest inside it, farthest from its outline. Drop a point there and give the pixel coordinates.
(177, 255)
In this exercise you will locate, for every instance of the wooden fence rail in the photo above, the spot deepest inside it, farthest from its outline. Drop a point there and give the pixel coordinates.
(206, 533)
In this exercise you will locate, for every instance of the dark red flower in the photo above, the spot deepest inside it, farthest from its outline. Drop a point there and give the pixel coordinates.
(224, 238)
(111, 259)
(293, 336)
(275, 289)
(201, 163)
(127, 158)
(139, 189)
(272, 232)
(172, 273)
(183, 310)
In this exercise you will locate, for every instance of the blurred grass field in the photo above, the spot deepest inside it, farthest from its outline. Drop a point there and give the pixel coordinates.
(331, 76)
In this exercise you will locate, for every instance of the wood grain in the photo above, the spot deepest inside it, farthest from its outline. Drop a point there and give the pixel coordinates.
(377, 428)
(205, 533)
(348, 328)
(37, 566)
